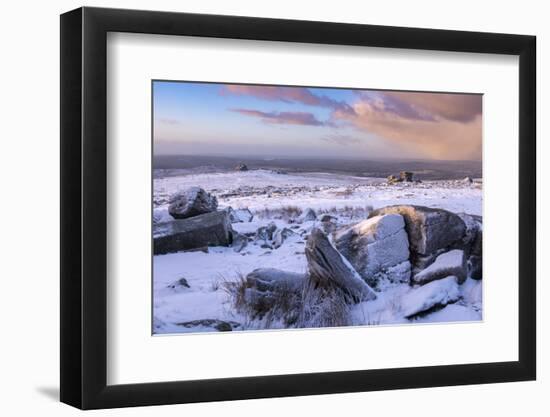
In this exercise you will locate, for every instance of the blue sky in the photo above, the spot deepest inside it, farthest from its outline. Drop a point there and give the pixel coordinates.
(255, 120)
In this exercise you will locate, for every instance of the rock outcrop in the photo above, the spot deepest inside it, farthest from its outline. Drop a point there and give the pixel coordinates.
(191, 202)
(392, 179)
(430, 231)
(448, 263)
(241, 167)
(378, 248)
(265, 233)
(406, 176)
(327, 267)
(210, 229)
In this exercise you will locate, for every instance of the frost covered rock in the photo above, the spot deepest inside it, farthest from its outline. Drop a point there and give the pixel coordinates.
(328, 267)
(191, 202)
(232, 215)
(475, 267)
(211, 229)
(473, 235)
(179, 285)
(269, 291)
(308, 215)
(472, 244)
(328, 223)
(280, 235)
(327, 218)
(428, 229)
(423, 261)
(239, 241)
(271, 279)
(448, 263)
(239, 215)
(265, 233)
(208, 324)
(378, 248)
(435, 294)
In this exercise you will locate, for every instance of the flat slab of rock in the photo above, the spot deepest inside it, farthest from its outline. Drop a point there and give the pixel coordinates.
(448, 263)
(428, 229)
(271, 279)
(427, 297)
(328, 267)
(377, 248)
(191, 202)
(211, 229)
(219, 325)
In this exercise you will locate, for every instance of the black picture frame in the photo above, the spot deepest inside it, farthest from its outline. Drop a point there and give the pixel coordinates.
(84, 207)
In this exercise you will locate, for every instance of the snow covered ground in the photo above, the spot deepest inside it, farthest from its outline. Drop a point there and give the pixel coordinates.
(202, 301)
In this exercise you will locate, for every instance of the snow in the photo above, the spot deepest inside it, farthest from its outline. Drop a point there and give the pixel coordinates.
(161, 215)
(435, 293)
(321, 191)
(347, 198)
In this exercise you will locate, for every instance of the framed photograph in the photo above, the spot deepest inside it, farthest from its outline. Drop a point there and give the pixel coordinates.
(257, 208)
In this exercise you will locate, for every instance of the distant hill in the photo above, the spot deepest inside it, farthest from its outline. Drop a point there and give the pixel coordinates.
(422, 169)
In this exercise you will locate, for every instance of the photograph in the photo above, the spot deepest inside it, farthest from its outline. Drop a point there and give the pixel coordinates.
(291, 207)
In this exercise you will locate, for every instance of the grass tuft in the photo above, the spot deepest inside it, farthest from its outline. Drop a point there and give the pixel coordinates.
(304, 307)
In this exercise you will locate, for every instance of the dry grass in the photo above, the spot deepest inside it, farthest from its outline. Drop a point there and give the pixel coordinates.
(347, 192)
(351, 212)
(323, 307)
(305, 307)
(287, 213)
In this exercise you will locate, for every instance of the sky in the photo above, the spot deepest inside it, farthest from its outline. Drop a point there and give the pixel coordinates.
(279, 121)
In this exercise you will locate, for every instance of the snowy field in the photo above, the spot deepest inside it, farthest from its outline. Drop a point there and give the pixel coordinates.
(201, 302)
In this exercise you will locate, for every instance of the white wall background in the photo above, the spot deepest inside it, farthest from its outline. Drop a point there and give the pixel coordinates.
(29, 237)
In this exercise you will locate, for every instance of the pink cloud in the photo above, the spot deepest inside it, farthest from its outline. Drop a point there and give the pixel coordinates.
(291, 118)
(438, 137)
(456, 107)
(286, 94)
